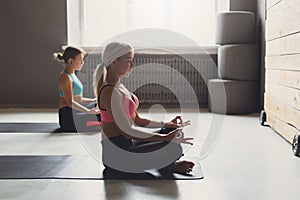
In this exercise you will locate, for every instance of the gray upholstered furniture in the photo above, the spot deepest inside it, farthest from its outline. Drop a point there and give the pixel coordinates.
(236, 27)
(240, 96)
(238, 62)
(235, 91)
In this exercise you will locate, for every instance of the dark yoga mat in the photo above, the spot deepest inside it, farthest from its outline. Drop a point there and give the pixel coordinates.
(75, 167)
(29, 127)
(37, 128)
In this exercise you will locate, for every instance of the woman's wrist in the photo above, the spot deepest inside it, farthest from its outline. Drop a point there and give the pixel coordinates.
(154, 124)
(162, 124)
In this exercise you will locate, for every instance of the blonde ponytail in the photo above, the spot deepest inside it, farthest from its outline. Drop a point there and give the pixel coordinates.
(99, 77)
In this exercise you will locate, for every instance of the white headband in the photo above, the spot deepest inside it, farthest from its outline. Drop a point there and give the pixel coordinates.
(114, 50)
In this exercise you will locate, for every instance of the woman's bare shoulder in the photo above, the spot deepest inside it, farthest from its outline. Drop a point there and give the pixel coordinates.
(63, 77)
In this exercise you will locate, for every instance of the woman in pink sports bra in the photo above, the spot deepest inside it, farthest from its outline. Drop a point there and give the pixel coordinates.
(125, 148)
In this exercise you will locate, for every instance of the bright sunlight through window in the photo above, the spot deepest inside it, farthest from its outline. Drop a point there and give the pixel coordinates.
(91, 22)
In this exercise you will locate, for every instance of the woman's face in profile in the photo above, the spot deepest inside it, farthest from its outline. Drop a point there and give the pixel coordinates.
(78, 61)
(125, 64)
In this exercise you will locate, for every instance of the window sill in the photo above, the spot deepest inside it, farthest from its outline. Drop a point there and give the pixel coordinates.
(213, 49)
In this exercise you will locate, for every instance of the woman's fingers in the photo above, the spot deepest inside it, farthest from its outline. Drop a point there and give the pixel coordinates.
(187, 122)
(181, 139)
(176, 125)
(186, 141)
(94, 111)
(175, 133)
(184, 124)
(177, 120)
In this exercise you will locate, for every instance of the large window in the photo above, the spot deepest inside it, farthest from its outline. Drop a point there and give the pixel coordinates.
(91, 22)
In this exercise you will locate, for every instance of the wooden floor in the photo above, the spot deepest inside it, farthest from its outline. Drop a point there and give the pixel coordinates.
(240, 160)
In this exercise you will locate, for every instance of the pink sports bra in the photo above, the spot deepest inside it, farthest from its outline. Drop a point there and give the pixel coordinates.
(129, 104)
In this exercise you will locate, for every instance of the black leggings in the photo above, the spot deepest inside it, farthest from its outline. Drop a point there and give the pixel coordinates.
(71, 120)
(136, 156)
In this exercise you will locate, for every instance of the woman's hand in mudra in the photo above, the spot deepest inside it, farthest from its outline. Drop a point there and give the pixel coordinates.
(94, 111)
(177, 122)
(177, 136)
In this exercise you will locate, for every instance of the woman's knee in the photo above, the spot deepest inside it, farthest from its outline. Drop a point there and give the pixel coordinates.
(176, 149)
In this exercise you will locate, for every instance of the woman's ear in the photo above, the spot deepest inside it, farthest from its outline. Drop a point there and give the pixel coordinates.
(70, 61)
(113, 63)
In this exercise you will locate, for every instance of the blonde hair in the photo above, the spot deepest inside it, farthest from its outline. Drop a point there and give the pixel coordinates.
(99, 77)
(111, 52)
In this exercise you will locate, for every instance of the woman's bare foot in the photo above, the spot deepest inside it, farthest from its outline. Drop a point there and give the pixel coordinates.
(182, 167)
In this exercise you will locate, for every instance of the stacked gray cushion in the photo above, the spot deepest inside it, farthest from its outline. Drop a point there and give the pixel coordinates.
(240, 96)
(243, 5)
(236, 91)
(236, 27)
(238, 62)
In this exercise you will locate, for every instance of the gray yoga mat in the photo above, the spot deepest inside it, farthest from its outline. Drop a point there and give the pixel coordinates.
(75, 167)
(29, 127)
